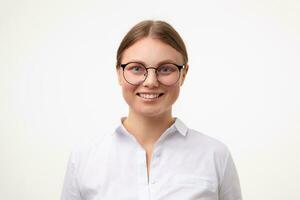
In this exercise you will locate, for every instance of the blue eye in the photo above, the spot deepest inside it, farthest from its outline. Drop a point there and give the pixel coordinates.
(135, 68)
(166, 69)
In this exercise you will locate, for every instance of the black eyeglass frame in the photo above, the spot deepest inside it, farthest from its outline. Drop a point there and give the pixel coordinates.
(180, 67)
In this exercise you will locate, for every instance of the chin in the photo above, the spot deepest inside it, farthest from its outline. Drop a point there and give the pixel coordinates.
(151, 112)
(149, 115)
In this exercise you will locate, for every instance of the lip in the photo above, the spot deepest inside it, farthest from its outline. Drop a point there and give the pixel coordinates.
(159, 93)
(150, 100)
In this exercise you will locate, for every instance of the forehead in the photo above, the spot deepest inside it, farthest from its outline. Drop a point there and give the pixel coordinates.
(151, 51)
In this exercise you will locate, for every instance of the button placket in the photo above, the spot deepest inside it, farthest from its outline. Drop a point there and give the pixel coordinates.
(154, 165)
(153, 178)
(142, 167)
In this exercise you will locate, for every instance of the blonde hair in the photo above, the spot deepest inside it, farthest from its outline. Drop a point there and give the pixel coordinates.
(155, 29)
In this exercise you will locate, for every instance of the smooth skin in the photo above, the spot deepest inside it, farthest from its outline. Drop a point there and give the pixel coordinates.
(154, 116)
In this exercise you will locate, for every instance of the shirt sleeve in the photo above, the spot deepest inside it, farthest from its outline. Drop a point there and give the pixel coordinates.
(230, 184)
(70, 189)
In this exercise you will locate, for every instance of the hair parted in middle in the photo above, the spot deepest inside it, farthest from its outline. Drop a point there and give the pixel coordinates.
(155, 29)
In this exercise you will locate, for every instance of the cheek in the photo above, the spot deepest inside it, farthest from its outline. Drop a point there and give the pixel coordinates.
(128, 92)
(173, 94)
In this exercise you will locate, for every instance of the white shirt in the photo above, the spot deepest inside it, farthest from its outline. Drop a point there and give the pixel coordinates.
(185, 165)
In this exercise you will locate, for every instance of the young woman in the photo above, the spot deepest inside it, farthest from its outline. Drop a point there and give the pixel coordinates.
(151, 154)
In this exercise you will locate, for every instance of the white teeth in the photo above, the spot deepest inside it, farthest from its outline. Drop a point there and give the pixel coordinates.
(148, 96)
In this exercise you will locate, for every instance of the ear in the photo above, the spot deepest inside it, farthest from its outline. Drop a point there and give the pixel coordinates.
(120, 76)
(184, 73)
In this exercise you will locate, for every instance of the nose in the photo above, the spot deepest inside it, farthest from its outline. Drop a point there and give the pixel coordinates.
(151, 79)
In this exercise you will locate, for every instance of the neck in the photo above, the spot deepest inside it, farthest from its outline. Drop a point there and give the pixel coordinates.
(147, 129)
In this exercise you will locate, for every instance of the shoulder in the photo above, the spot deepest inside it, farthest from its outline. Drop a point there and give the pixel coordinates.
(210, 150)
(197, 139)
(85, 149)
(208, 144)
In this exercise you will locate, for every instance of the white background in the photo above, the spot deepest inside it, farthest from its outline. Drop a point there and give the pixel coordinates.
(58, 85)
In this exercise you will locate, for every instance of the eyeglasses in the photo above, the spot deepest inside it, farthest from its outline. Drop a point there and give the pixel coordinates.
(136, 73)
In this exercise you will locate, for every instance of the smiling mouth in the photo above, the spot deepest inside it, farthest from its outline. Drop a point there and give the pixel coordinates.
(150, 95)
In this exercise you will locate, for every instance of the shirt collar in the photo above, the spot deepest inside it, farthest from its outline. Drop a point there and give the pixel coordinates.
(177, 125)
(181, 127)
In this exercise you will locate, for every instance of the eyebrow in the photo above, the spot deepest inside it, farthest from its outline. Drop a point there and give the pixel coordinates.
(159, 63)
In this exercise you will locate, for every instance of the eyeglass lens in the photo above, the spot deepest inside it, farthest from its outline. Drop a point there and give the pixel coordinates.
(136, 73)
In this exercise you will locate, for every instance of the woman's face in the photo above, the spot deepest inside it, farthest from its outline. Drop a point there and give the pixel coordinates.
(150, 52)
